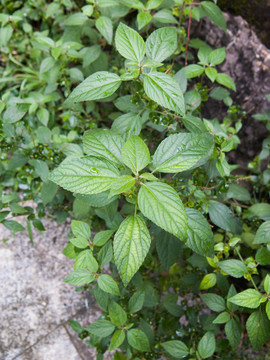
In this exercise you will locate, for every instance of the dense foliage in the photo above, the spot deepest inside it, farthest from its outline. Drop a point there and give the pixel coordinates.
(101, 120)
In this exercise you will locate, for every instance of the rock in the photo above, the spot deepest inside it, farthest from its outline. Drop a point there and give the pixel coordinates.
(35, 302)
(248, 64)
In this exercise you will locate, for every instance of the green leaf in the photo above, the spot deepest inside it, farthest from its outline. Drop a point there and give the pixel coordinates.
(193, 70)
(81, 229)
(207, 345)
(75, 326)
(211, 73)
(261, 210)
(117, 339)
(131, 245)
(88, 10)
(214, 302)
(233, 332)
(208, 281)
(161, 204)
(76, 19)
(117, 314)
(225, 80)
(97, 86)
(85, 259)
(79, 277)
(263, 256)
(258, 328)
(214, 13)
(80, 242)
(138, 340)
(238, 192)
(14, 113)
(135, 4)
(233, 267)
(105, 27)
(135, 154)
(85, 176)
(199, 235)
(102, 237)
(91, 54)
(153, 4)
(48, 192)
(165, 17)
(129, 123)
(168, 248)
(222, 216)
(123, 185)
(263, 234)
(46, 65)
(267, 309)
(108, 284)
(222, 318)
(217, 56)
(13, 225)
(136, 301)
(267, 284)
(104, 144)
(249, 298)
(106, 254)
(181, 152)
(176, 348)
(161, 44)
(164, 90)
(143, 18)
(101, 328)
(129, 43)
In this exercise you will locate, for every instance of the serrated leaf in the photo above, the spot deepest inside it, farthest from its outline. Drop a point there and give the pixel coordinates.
(168, 248)
(161, 204)
(129, 43)
(129, 123)
(143, 18)
(181, 152)
(249, 298)
(233, 332)
(211, 73)
(131, 245)
(208, 281)
(258, 328)
(233, 267)
(97, 86)
(217, 56)
(214, 13)
(84, 260)
(81, 229)
(75, 326)
(105, 27)
(104, 144)
(108, 284)
(207, 345)
(165, 91)
(79, 277)
(222, 318)
(138, 340)
(117, 314)
(102, 237)
(263, 234)
(161, 44)
(13, 225)
(223, 217)
(193, 70)
(101, 328)
(85, 176)
(136, 301)
(80, 242)
(123, 185)
(214, 302)
(199, 234)
(135, 154)
(225, 80)
(176, 348)
(165, 17)
(117, 339)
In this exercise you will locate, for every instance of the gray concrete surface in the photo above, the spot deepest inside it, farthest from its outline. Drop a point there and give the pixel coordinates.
(35, 304)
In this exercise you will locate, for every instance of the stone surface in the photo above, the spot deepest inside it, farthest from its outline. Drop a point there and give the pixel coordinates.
(35, 303)
(248, 63)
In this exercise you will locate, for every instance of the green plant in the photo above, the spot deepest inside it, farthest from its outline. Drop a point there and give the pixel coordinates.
(173, 229)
